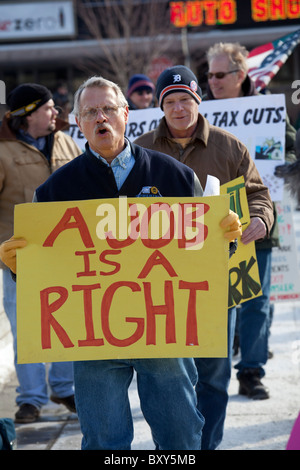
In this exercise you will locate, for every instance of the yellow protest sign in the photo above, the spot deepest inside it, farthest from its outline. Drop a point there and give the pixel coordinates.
(122, 278)
(244, 281)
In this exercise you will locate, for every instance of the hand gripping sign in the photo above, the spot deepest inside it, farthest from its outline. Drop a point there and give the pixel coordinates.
(122, 278)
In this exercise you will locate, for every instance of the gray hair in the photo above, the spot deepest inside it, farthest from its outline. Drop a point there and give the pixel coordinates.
(236, 54)
(100, 82)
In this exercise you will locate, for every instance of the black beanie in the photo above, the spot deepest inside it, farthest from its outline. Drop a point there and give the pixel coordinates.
(177, 79)
(27, 98)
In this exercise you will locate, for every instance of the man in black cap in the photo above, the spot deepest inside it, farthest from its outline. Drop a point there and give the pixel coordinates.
(187, 136)
(32, 146)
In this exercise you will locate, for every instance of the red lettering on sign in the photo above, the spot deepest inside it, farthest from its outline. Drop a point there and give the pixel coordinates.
(293, 9)
(277, 10)
(227, 12)
(191, 319)
(146, 219)
(65, 224)
(157, 258)
(102, 258)
(194, 13)
(209, 12)
(260, 10)
(167, 309)
(5, 25)
(178, 14)
(105, 309)
(88, 315)
(86, 259)
(47, 319)
(189, 220)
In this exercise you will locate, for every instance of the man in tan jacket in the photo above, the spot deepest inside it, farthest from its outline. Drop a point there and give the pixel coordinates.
(187, 136)
(32, 146)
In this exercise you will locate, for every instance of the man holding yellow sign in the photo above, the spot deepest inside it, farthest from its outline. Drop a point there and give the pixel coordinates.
(110, 168)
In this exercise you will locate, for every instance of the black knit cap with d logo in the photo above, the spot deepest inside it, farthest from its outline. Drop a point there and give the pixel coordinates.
(177, 79)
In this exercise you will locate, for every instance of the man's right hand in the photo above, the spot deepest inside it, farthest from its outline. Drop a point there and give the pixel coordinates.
(8, 252)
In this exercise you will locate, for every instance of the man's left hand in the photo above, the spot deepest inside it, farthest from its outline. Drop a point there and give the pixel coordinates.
(256, 230)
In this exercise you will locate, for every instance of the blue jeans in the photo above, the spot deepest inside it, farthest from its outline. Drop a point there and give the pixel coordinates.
(254, 320)
(212, 390)
(32, 380)
(167, 397)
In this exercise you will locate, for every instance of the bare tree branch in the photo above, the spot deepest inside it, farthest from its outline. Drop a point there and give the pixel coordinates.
(130, 35)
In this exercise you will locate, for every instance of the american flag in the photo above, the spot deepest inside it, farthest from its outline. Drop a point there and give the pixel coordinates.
(265, 61)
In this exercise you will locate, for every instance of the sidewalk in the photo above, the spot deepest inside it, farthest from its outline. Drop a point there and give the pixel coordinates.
(250, 425)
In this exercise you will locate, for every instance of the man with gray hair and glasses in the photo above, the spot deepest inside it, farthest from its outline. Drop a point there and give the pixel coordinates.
(111, 167)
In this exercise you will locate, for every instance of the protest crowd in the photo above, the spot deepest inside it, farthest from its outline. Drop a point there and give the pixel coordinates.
(184, 400)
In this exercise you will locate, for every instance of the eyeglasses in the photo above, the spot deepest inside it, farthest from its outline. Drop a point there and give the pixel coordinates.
(92, 113)
(219, 75)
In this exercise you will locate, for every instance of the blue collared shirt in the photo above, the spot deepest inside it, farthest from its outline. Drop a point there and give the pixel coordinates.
(121, 165)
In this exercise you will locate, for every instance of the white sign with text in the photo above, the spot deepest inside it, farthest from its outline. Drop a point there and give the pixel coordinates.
(258, 121)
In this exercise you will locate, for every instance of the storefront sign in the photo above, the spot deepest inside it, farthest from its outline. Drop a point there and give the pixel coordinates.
(35, 20)
(233, 13)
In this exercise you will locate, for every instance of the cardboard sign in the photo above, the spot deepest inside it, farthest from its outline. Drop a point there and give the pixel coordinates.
(244, 281)
(285, 279)
(122, 278)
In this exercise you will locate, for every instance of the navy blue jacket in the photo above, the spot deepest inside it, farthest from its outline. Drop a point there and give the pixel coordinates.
(87, 177)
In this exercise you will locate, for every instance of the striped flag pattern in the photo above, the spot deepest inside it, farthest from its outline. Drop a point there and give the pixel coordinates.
(265, 61)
